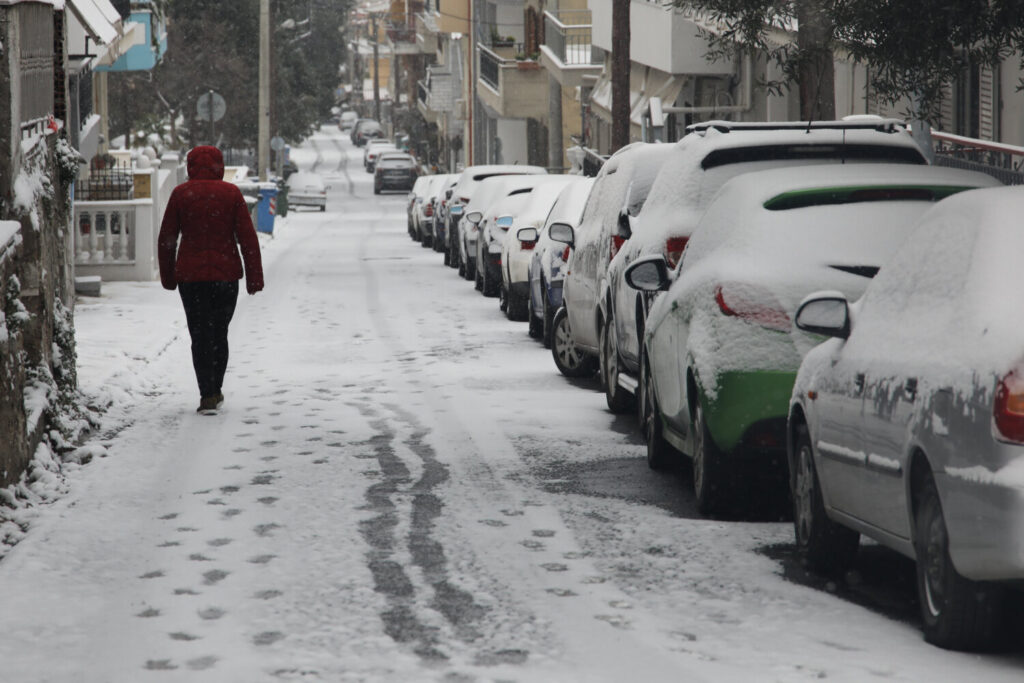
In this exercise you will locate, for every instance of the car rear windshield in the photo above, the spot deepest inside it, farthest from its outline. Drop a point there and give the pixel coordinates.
(825, 196)
(396, 163)
(887, 153)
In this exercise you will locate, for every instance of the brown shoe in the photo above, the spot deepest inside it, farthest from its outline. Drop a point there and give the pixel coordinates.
(220, 400)
(208, 404)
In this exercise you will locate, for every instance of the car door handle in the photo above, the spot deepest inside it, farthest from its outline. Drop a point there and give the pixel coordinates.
(858, 382)
(910, 389)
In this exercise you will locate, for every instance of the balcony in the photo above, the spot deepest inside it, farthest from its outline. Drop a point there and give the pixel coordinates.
(402, 36)
(567, 52)
(426, 32)
(436, 94)
(512, 88)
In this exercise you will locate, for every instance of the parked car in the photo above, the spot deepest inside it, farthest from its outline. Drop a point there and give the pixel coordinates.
(516, 247)
(372, 149)
(365, 130)
(498, 218)
(427, 209)
(394, 172)
(483, 194)
(548, 258)
(306, 189)
(439, 226)
(907, 426)
(720, 350)
(347, 121)
(412, 205)
(712, 153)
(619, 193)
(461, 193)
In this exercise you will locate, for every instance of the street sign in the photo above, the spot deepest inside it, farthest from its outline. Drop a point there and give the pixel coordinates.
(203, 106)
(277, 143)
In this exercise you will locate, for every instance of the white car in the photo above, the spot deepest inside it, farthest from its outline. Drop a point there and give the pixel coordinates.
(307, 189)
(720, 348)
(548, 258)
(372, 149)
(347, 120)
(492, 228)
(516, 246)
(907, 426)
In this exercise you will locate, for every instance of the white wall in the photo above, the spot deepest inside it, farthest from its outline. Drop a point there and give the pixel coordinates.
(512, 133)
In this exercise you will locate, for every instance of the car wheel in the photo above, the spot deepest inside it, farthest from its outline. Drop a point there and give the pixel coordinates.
(478, 279)
(323, 209)
(447, 259)
(617, 398)
(490, 288)
(426, 241)
(958, 614)
(569, 360)
(470, 270)
(518, 308)
(711, 485)
(536, 326)
(503, 300)
(660, 455)
(376, 190)
(825, 546)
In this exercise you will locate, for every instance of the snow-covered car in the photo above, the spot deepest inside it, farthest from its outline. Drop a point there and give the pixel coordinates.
(712, 153)
(485, 193)
(394, 171)
(548, 258)
(347, 120)
(720, 348)
(461, 194)
(413, 203)
(907, 426)
(306, 189)
(365, 130)
(440, 194)
(492, 227)
(516, 247)
(619, 192)
(373, 149)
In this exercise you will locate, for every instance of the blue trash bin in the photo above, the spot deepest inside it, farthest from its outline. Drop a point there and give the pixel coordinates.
(267, 208)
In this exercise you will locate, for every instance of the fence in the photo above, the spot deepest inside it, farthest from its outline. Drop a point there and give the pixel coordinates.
(490, 64)
(567, 34)
(1003, 162)
(105, 233)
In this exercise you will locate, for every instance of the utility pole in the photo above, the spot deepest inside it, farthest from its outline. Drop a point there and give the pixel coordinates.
(263, 142)
(620, 73)
(376, 69)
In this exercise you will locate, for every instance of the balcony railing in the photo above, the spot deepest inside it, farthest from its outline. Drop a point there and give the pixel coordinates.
(1003, 162)
(567, 35)
(105, 232)
(490, 67)
(402, 33)
(423, 93)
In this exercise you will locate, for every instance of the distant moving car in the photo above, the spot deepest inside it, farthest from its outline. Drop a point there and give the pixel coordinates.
(908, 425)
(347, 120)
(619, 193)
(548, 257)
(394, 172)
(364, 130)
(306, 189)
(720, 350)
(710, 154)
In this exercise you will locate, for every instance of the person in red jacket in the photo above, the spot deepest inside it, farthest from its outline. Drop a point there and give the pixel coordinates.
(205, 225)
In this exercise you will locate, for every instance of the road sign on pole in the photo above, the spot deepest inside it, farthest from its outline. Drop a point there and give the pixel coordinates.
(211, 105)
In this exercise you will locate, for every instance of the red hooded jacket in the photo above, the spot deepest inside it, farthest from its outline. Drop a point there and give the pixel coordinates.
(212, 220)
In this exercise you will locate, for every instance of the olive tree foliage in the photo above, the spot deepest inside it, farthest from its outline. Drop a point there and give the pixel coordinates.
(214, 45)
(913, 49)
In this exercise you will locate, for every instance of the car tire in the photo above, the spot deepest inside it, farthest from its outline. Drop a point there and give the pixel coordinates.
(957, 613)
(447, 259)
(548, 316)
(376, 190)
(426, 241)
(503, 300)
(478, 279)
(518, 307)
(470, 270)
(825, 547)
(618, 399)
(660, 454)
(569, 360)
(536, 326)
(323, 209)
(489, 288)
(711, 482)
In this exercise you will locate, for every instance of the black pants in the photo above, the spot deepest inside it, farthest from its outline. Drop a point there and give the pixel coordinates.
(208, 310)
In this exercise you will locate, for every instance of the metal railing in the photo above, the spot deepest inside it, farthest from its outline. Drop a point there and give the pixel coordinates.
(401, 33)
(423, 93)
(490, 66)
(567, 33)
(106, 184)
(1003, 162)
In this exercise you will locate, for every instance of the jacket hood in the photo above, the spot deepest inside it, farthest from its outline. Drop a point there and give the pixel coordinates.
(205, 163)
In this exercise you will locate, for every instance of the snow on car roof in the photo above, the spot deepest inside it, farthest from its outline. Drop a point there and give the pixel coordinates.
(568, 208)
(534, 206)
(493, 188)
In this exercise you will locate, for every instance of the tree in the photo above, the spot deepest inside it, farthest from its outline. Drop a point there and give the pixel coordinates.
(913, 49)
(620, 73)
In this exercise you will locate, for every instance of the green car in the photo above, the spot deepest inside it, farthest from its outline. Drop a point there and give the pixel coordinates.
(720, 351)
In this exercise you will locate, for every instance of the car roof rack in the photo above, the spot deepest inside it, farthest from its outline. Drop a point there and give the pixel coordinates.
(880, 124)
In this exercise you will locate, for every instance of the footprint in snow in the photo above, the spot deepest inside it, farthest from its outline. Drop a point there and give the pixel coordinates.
(267, 638)
(148, 613)
(261, 559)
(155, 574)
(229, 489)
(211, 613)
(168, 544)
(180, 635)
(531, 544)
(169, 515)
(159, 665)
(262, 480)
(199, 557)
(215, 501)
(201, 663)
(218, 542)
(575, 555)
(265, 529)
(561, 592)
(231, 513)
(616, 620)
(555, 567)
(492, 522)
(267, 595)
(543, 533)
(185, 591)
(214, 576)
(267, 500)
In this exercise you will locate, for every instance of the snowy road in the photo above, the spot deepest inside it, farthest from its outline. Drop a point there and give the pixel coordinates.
(402, 487)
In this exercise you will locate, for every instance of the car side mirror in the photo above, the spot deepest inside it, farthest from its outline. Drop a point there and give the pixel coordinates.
(825, 313)
(562, 232)
(474, 217)
(649, 274)
(527, 235)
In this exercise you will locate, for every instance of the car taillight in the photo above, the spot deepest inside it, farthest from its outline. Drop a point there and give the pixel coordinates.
(526, 246)
(1008, 407)
(674, 247)
(429, 211)
(565, 254)
(753, 304)
(617, 242)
